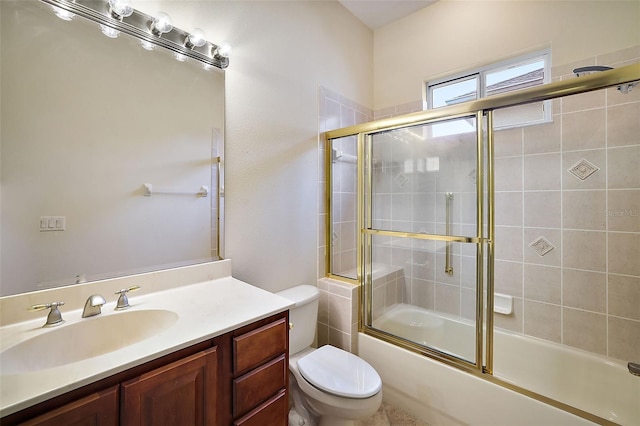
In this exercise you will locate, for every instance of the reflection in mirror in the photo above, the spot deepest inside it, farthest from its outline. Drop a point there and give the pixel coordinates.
(86, 121)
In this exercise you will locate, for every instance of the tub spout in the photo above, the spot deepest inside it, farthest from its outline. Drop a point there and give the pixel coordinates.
(634, 368)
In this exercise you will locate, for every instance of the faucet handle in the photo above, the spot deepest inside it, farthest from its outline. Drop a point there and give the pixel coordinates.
(54, 317)
(123, 300)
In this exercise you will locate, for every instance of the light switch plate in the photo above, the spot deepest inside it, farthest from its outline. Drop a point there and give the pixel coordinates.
(53, 223)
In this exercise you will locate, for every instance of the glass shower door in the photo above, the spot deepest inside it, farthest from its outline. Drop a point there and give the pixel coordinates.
(422, 252)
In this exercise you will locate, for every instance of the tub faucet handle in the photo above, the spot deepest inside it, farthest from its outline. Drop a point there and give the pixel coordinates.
(55, 317)
(123, 300)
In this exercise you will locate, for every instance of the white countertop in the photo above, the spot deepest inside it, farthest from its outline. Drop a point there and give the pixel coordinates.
(205, 310)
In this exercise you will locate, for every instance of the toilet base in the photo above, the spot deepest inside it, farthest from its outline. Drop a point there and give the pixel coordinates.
(334, 421)
(295, 419)
(300, 414)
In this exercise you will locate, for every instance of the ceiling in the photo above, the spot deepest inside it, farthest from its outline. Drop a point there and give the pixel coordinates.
(378, 13)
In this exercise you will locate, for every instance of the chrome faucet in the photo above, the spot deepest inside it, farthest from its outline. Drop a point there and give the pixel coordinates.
(92, 306)
(54, 317)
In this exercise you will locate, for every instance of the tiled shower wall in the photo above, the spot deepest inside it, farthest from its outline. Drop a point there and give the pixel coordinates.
(343, 233)
(568, 220)
(337, 318)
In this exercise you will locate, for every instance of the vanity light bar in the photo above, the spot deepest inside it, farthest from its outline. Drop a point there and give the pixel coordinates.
(140, 25)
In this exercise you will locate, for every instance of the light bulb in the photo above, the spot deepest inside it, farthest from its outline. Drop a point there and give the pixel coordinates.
(196, 38)
(65, 15)
(146, 45)
(120, 8)
(109, 32)
(161, 24)
(224, 50)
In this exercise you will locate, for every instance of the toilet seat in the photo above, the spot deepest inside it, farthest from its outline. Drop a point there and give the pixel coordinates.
(340, 373)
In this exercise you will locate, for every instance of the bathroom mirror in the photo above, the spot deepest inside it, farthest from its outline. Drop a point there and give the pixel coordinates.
(87, 121)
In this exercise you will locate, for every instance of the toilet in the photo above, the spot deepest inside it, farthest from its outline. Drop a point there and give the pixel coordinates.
(329, 386)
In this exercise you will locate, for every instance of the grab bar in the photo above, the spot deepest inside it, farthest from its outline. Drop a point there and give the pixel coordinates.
(447, 267)
(339, 156)
(148, 191)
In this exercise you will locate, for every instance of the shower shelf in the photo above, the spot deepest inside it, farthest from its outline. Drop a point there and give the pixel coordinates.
(502, 304)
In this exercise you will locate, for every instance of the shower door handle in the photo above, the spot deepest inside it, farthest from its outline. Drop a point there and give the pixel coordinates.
(447, 266)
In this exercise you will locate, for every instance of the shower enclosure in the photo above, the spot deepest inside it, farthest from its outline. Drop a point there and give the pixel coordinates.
(456, 223)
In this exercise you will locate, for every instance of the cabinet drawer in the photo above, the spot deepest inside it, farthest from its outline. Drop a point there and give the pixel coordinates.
(258, 385)
(274, 412)
(257, 346)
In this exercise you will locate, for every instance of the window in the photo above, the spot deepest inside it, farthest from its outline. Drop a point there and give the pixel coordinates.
(502, 77)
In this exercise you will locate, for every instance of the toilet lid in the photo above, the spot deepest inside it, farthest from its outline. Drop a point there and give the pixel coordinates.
(340, 373)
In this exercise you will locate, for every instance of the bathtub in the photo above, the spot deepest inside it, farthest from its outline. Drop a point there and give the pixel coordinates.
(592, 383)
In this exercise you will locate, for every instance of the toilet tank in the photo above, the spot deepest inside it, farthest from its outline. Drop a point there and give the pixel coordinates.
(303, 316)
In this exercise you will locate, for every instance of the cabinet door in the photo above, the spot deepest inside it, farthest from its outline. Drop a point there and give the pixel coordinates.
(181, 393)
(97, 409)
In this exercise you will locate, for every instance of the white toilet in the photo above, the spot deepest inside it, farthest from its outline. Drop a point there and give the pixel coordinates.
(328, 385)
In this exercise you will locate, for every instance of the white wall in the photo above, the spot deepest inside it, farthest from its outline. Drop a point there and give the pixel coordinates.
(282, 52)
(453, 35)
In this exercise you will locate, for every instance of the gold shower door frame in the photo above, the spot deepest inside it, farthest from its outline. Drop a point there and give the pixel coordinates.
(481, 108)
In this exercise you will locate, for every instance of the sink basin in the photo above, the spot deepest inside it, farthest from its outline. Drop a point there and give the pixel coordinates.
(84, 339)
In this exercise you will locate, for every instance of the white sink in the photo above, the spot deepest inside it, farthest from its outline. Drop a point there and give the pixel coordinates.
(84, 339)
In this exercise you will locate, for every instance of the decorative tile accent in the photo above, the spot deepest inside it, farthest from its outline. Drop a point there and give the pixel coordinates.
(542, 246)
(472, 176)
(401, 180)
(583, 169)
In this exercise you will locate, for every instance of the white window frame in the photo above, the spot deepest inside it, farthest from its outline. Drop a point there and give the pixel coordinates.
(481, 74)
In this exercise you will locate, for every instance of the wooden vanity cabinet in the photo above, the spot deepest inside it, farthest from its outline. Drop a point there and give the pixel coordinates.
(238, 378)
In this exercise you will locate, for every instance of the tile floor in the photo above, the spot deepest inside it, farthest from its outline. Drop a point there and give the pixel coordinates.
(389, 415)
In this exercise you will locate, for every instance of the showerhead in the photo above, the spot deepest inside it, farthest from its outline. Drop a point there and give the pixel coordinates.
(582, 71)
